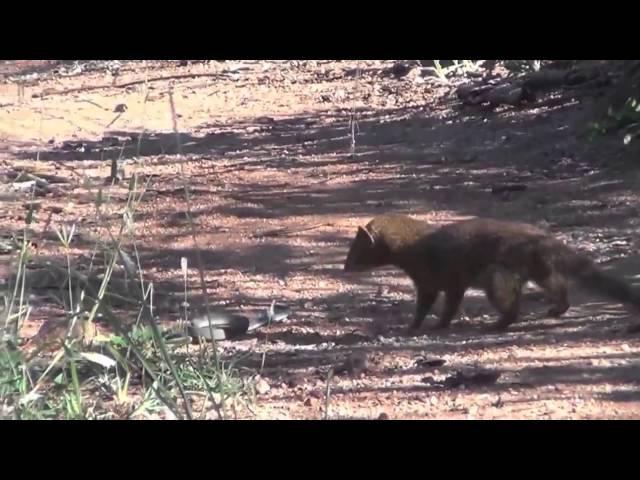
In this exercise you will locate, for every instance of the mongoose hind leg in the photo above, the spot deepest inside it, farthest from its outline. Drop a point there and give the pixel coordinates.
(555, 286)
(504, 289)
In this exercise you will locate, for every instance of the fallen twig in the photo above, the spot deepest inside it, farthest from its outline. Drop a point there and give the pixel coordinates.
(288, 230)
(49, 92)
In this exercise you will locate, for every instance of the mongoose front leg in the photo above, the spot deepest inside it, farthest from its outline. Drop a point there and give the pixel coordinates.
(424, 301)
(454, 298)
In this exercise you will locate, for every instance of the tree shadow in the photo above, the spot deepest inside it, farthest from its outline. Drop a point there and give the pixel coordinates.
(407, 160)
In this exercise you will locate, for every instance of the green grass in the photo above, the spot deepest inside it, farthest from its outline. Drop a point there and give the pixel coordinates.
(130, 373)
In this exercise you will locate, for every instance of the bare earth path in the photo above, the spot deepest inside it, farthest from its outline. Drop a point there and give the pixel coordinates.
(267, 145)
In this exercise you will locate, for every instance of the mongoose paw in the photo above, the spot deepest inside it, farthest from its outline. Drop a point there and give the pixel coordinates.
(499, 327)
(555, 312)
(412, 331)
(439, 327)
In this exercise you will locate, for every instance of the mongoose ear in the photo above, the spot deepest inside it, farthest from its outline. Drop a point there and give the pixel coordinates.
(364, 233)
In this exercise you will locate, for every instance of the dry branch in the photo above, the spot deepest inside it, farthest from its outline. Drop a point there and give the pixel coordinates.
(52, 91)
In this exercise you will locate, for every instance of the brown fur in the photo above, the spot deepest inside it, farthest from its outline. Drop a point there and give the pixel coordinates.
(382, 239)
(497, 256)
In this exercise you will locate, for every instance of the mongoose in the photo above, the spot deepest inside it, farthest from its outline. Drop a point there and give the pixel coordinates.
(385, 241)
(496, 256)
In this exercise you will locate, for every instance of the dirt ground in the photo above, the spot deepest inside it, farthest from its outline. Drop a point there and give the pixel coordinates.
(268, 145)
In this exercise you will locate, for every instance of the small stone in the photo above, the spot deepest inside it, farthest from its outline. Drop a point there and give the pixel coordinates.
(355, 364)
(294, 381)
(166, 414)
(317, 393)
(429, 362)
(262, 386)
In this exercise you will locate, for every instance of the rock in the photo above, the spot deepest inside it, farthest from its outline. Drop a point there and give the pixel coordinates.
(262, 386)
(355, 364)
(295, 381)
(429, 362)
(477, 378)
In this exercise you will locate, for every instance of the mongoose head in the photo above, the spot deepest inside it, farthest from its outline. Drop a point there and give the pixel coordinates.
(366, 252)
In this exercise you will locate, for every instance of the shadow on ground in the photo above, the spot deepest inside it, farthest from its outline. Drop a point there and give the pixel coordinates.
(406, 160)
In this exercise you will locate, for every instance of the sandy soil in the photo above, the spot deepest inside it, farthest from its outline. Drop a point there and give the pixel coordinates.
(268, 145)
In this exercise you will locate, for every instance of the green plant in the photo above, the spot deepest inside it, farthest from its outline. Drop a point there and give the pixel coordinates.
(625, 119)
(72, 380)
(522, 66)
